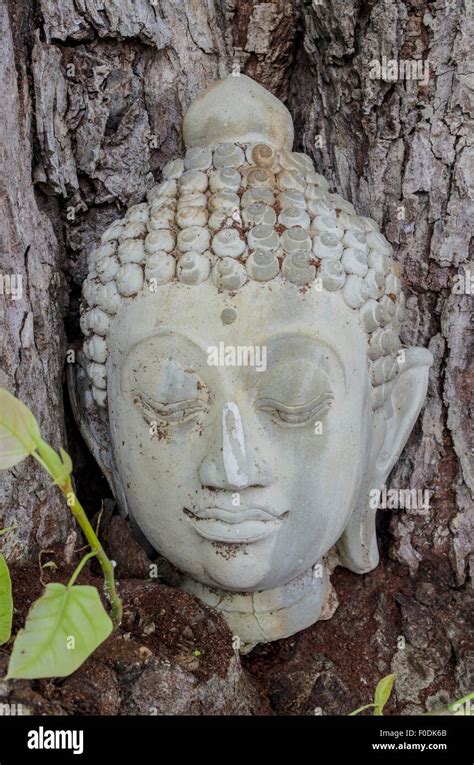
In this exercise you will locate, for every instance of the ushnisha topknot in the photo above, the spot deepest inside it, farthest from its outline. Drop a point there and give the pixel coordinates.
(235, 211)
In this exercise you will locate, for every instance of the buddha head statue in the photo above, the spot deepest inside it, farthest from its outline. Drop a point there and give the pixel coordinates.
(242, 382)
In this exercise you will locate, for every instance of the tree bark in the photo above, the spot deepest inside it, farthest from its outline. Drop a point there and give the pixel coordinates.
(93, 99)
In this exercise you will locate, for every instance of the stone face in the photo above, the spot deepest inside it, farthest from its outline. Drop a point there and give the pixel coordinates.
(262, 436)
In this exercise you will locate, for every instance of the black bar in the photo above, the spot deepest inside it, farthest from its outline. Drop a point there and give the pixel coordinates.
(445, 738)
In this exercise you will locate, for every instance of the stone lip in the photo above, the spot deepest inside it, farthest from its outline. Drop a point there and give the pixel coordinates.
(238, 109)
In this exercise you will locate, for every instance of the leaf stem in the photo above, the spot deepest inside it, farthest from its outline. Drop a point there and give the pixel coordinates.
(80, 567)
(97, 549)
(360, 709)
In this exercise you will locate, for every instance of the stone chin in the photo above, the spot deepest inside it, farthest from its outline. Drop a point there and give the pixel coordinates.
(252, 477)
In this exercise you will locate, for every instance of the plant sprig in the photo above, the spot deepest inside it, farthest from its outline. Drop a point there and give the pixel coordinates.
(20, 437)
(68, 622)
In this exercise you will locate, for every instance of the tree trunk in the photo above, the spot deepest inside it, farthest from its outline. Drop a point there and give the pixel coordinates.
(93, 99)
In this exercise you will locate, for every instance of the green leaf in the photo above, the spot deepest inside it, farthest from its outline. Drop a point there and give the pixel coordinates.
(19, 430)
(382, 693)
(63, 627)
(6, 602)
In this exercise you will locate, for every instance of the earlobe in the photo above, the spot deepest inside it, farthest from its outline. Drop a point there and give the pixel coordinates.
(93, 424)
(357, 546)
(407, 397)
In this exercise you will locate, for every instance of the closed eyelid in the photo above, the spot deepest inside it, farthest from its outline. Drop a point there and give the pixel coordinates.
(325, 398)
(162, 406)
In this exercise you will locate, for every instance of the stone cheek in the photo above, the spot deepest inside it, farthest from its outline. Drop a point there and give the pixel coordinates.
(238, 212)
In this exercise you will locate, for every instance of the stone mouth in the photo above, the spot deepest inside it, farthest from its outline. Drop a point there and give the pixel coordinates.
(236, 515)
(234, 527)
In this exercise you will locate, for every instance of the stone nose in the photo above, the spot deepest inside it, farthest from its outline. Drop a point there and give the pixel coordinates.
(232, 462)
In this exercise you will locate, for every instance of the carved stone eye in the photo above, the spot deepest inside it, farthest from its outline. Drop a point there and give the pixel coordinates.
(297, 416)
(168, 413)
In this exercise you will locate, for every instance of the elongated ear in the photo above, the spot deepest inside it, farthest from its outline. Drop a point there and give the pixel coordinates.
(357, 546)
(93, 424)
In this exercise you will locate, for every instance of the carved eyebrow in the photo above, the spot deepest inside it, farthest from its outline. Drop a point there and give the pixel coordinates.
(321, 400)
(325, 355)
